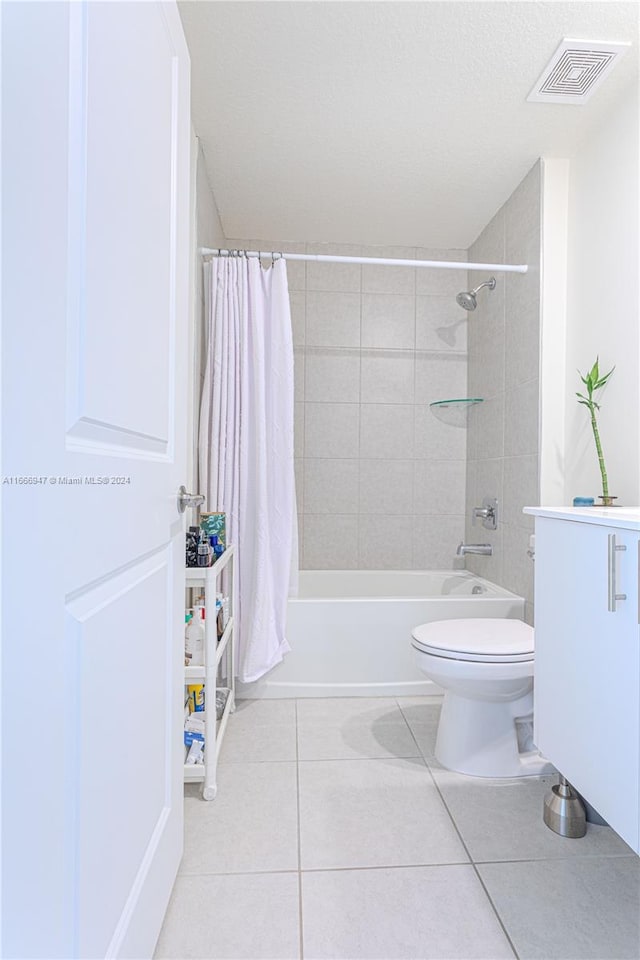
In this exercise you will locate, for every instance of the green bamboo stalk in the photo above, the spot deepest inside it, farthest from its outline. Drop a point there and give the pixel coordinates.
(593, 381)
(603, 469)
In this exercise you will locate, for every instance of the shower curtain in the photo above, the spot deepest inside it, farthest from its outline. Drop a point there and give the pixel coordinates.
(246, 446)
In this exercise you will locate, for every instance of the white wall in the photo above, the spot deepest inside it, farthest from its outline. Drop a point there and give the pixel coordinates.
(207, 232)
(553, 331)
(603, 305)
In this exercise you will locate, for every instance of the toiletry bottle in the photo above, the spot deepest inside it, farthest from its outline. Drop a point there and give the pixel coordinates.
(195, 639)
(204, 550)
(188, 617)
(216, 546)
(195, 692)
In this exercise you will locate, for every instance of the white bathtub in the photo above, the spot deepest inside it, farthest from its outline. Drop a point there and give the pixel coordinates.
(350, 630)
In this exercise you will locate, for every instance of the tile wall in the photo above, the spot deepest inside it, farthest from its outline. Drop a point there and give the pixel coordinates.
(380, 480)
(504, 352)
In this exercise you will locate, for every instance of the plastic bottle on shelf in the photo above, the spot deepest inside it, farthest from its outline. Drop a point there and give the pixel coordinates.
(188, 617)
(204, 551)
(216, 547)
(194, 639)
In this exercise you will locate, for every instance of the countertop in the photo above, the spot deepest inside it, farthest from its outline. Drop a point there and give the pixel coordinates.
(628, 518)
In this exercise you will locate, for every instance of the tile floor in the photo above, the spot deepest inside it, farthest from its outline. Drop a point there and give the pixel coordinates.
(335, 833)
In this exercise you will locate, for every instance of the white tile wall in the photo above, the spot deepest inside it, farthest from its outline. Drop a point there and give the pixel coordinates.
(343, 277)
(439, 486)
(435, 540)
(502, 441)
(387, 431)
(330, 543)
(436, 439)
(373, 347)
(332, 375)
(298, 429)
(383, 279)
(387, 376)
(297, 302)
(439, 283)
(331, 430)
(440, 377)
(386, 487)
(388, 320)
(331, 486)
(381, 551)
(333, 319)
(441, 324)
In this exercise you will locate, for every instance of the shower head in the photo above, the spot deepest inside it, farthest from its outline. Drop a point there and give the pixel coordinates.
(468, 300)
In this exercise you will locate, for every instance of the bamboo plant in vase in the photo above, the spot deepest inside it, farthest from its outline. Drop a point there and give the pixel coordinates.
(593, 381)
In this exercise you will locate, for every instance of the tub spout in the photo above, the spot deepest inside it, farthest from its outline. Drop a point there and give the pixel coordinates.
(483, 549)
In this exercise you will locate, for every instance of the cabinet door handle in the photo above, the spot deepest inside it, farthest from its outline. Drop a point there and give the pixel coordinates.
(613, 596)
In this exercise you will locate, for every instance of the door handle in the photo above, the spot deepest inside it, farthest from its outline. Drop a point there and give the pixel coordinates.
(188, 499)
(613, 597)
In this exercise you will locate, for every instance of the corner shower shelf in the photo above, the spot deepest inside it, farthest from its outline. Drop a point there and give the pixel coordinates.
(460, 402)
(454, 412)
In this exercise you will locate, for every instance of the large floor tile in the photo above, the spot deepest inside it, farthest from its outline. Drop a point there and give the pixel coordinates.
(579, 909)
(421, 912)
(422, 714)
(229, 918)
(261, 730)
(341, 728)
(251, 825)
(362, 813)
(502, 820)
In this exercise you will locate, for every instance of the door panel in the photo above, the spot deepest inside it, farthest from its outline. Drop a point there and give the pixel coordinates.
(122, 189)
(123, 774)
(96, 135)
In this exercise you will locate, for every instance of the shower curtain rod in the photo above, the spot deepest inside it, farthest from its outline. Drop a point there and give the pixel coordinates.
(375, 261)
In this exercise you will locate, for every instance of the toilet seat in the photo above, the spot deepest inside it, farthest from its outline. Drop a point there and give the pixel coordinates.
(482, 640)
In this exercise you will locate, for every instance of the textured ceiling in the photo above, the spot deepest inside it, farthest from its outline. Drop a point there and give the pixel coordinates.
(384, 122)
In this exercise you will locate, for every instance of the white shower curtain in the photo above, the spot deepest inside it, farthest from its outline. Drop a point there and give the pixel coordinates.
(246, 446)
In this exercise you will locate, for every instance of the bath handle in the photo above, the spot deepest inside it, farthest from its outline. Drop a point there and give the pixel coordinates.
(613, 597)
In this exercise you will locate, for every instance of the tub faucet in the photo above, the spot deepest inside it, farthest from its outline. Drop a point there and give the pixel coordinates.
(484, 549)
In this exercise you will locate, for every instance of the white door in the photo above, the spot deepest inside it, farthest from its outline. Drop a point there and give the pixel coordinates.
(96, 139)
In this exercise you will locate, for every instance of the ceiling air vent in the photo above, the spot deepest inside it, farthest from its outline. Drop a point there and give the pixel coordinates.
(575, 70)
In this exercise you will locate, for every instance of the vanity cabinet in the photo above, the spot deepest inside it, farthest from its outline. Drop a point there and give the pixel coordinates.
(587, 656)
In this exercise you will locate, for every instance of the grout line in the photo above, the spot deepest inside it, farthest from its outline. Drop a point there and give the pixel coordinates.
(387, 866)
(473, 864)
(567, 859)
(406, 866)
(241, 873)
(300, 919)
(377, 866)
(462, 841)
(356, 759)
(495, 910)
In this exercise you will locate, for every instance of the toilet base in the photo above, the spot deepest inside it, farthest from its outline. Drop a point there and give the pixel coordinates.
(478, 738)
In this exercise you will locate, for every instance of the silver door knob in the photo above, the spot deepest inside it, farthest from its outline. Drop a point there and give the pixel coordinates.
(188, 499)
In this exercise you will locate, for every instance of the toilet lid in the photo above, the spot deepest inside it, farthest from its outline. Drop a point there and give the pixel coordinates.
(504, 641)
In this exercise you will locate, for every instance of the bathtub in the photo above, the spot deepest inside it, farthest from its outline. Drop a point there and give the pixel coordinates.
(349, 630)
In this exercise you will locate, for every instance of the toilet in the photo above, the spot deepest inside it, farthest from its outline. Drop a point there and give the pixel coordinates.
(486, 669)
